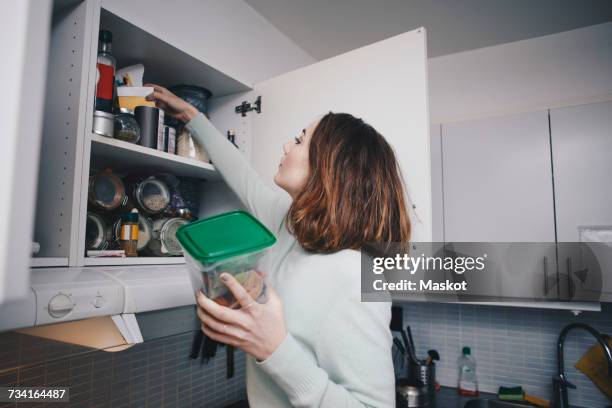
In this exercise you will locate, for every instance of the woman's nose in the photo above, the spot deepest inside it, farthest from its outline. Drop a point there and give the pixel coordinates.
(286, 147)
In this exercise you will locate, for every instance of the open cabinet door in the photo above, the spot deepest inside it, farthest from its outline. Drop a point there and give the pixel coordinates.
(24, 44)
(385, 84)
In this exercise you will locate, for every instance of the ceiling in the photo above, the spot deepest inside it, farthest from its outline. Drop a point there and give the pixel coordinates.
(324, 28)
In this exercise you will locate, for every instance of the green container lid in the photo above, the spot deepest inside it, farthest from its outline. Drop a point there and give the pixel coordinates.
(224, 236)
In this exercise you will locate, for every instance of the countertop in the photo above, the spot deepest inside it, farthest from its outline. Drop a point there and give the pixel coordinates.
(448, 397)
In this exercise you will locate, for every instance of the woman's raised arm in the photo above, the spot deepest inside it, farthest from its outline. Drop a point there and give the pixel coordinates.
(262, 201)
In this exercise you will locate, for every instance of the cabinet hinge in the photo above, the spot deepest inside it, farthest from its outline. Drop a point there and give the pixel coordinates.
(245, 107)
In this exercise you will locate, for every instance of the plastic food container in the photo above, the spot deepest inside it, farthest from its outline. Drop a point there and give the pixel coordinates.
(233, 242)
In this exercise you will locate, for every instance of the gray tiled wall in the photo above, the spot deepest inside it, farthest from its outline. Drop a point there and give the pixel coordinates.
(157, 373)
(512, 346)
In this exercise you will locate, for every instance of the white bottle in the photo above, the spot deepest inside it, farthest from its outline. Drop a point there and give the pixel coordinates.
(467, 384)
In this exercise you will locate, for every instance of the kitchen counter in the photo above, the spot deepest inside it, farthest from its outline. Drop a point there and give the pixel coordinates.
(448, 397)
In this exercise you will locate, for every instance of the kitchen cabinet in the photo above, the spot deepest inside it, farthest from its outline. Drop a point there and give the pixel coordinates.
(581, 140)
(497, 190)
(25, 35)
(384, 83)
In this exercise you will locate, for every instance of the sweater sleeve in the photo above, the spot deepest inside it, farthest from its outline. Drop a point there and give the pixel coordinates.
(354, 367)
(261, 200)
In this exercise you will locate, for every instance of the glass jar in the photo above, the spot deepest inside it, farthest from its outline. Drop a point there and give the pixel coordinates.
(145, 231)
(126, 128)
(106, 190)
(163, 241)
(98, 235)
(187, 146)
(151, 195)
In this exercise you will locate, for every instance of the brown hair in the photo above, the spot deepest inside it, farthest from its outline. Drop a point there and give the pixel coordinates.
(354, 195)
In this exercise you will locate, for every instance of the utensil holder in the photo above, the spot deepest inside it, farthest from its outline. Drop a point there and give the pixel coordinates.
(422, 374)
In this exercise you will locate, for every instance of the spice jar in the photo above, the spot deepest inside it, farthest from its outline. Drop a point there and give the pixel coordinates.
(106, 190)
(145, 230)
(127, 128)
(129, 233)
(163, 241)
(151, 195)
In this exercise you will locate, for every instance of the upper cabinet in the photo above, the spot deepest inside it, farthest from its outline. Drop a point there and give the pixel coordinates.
(497, 189)
(25, 37)
(384, 83)
(497, 180)
(581, 139)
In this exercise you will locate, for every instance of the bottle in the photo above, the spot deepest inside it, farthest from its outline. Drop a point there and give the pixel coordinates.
(105, 77)
(467, 384)
(129, 233)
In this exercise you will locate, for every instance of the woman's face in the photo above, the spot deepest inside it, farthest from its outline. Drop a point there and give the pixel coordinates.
(293, 168)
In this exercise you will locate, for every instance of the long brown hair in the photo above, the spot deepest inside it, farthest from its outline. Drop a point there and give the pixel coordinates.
(354, 196)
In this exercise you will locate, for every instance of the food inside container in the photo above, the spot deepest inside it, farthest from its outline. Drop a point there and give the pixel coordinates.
(145, 231)
(97, 233)
(163, 240)
(127, 128)
(151, 195)
(106, 190)
(233, 242)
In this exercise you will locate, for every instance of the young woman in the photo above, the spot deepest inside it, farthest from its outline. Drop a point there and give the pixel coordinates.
(313, 343)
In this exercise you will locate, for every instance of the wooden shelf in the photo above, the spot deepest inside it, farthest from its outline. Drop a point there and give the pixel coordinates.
(118, 154)
(145, 260)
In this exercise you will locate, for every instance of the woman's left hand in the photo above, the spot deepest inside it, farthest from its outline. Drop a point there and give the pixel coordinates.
(256, 328)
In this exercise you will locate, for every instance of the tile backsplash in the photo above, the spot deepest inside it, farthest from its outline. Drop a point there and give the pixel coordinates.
(512, 346)
(157, 373)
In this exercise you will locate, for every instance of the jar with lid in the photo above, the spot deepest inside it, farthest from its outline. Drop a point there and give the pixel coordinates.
(126, 127)
(106, 190)
(98, 235)
(145, 230)
(163, 241)
(151, 195)
(128, 238)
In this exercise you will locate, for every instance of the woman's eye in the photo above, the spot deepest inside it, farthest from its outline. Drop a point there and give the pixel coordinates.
(297, 140)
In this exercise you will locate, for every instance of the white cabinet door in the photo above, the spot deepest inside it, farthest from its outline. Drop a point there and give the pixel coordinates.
(582, 158)
(24, 44)
(384, 83)
(498, 188)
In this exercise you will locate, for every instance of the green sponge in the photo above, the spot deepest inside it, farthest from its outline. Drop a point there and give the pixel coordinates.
(510, 393)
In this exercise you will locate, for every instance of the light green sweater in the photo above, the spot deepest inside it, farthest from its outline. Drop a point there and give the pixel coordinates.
(337, 352)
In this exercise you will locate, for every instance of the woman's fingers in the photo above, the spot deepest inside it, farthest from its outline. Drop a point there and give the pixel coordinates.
(242, 296)
(225, 314)
(220, 337)
(229, 330)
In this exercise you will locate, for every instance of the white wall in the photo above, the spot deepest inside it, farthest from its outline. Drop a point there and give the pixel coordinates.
(555, 70)
(228, 35)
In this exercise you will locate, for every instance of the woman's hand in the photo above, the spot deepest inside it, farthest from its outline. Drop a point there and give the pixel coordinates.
(256, 328)
(171, 104)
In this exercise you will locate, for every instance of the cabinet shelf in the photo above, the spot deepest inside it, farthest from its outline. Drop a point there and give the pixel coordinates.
(48, 262)
(119, 155)
(144, 260)
(164, 64)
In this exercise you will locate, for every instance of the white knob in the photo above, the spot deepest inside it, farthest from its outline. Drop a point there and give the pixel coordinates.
(98, 301)
(60, 305)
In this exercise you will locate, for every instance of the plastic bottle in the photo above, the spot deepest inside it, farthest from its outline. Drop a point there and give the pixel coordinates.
(105, 77)
(129, 233)
(467, 384)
